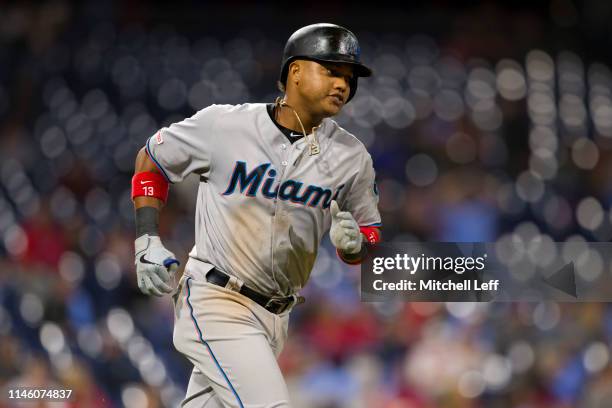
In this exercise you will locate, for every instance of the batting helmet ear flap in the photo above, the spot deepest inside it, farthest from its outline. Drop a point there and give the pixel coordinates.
(325, 43)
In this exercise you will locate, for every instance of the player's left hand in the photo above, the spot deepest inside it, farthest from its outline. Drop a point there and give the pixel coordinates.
(344, 232)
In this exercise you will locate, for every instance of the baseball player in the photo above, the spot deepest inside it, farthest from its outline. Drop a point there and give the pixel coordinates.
(274, 178)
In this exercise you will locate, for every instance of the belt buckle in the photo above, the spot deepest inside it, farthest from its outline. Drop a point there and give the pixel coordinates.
(277, 305)
(283, 303)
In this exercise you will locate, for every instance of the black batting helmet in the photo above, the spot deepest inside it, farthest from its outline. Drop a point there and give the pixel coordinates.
(328, 43)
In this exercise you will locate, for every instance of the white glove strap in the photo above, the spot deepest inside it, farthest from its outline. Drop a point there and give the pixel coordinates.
(143, 242)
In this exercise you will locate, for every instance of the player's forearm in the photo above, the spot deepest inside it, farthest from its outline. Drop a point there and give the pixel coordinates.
(146, 208)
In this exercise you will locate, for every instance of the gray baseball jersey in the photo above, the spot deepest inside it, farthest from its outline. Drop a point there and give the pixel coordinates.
(263, 203)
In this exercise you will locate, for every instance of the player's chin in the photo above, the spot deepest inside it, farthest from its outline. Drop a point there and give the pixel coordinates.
(332, 106)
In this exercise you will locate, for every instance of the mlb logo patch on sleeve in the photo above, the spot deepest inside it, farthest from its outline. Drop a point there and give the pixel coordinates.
(158, 138)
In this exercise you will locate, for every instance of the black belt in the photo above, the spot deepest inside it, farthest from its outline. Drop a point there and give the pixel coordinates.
(276, 305)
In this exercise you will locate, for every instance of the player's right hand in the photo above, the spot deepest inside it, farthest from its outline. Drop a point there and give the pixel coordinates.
(155, 265)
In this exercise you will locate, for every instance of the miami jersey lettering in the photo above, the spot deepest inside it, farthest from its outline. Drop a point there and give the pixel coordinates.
(292, 190)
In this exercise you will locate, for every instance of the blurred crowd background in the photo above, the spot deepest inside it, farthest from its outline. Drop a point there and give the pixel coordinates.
(485, 121)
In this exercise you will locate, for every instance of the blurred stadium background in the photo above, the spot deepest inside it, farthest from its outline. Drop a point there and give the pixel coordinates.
(485, 121)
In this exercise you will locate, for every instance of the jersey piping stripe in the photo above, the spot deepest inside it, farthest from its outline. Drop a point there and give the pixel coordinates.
(376, 224)
(208, 346)
(159, 166)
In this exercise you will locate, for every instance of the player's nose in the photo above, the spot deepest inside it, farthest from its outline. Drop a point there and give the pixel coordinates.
(342, 85)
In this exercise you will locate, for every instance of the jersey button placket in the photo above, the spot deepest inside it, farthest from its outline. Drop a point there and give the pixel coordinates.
(284, 155)
(280, 208)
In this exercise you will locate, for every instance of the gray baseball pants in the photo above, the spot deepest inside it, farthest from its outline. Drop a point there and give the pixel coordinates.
(233, 344)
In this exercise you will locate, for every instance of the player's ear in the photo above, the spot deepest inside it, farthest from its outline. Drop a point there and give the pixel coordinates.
(295, 70)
